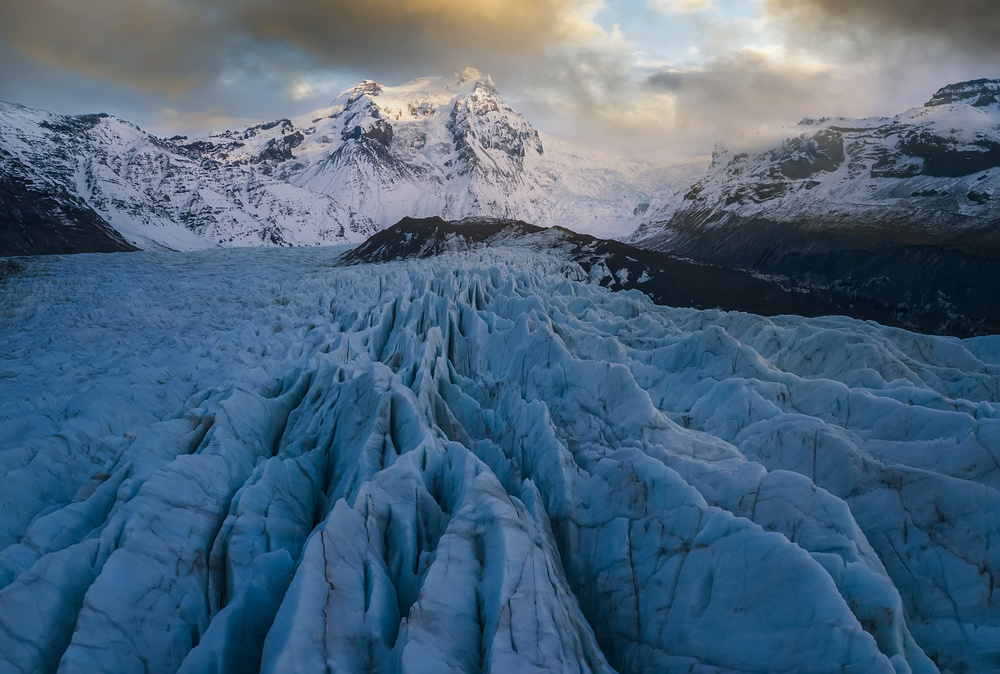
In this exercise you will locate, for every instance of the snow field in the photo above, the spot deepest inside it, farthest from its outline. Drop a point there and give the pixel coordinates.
(257, 459)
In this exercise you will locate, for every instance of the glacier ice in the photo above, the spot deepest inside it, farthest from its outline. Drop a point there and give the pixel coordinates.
(250, 460)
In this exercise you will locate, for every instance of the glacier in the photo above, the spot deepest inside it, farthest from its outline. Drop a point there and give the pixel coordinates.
(265, 460)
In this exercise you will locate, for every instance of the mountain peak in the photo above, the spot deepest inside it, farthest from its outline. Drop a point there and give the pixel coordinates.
(977, 93)
(468, 74)
(474, 78)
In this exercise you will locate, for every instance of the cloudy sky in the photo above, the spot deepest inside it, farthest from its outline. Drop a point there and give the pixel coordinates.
(654, 78)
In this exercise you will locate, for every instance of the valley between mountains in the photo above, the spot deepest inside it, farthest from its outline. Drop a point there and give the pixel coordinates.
(891, 218)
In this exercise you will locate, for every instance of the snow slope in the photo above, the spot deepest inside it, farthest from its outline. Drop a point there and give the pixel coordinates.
(435, 146)
(242, 460)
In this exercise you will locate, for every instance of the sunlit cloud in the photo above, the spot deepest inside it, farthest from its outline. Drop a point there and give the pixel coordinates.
(679, 6)
(173, 46)
(300, 89)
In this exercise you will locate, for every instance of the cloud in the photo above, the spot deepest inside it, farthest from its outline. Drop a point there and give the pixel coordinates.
(679, 6)
(604, 98)
(169, 119)
(743, 92)
(174, 46)
(429, 32)
(965, 26)
(154, 46)
(599, 70)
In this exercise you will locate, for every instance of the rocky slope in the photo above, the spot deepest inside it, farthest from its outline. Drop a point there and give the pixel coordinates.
(904, 210)
(449, 147)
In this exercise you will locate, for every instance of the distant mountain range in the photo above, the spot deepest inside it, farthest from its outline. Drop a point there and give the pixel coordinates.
(432, 147)
(928, 173)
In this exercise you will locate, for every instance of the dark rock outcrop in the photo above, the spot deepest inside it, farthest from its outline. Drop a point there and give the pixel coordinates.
(801, 157)
(666, 279)
(379, 131)
(42, 219)
(943, 159)
(978, 93)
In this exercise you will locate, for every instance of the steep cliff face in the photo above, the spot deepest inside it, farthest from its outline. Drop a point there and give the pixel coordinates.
(40, 218)
(929, 172)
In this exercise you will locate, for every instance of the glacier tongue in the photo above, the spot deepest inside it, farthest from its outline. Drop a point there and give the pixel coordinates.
(259, 460)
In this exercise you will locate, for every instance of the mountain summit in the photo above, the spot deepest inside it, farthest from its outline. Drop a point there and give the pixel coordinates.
(977, 93)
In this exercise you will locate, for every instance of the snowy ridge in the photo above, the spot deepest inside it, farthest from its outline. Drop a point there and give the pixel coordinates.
(437, 146)
(158, 193)
(472, 463)
(451, 147)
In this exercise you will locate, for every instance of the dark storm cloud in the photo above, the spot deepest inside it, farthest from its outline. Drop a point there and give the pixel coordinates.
(965, 26)
(156, 45)
(173, 46)
(667, 80)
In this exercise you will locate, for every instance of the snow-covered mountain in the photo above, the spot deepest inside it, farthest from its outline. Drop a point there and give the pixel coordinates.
(448, 147)
(929, 173)
(256, 460)
(158, 193)
(905, 210)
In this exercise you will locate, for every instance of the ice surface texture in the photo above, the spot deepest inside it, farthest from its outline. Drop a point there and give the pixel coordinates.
(239, 460)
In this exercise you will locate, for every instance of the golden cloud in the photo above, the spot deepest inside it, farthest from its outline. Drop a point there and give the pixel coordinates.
(174, 45)
(155, 45)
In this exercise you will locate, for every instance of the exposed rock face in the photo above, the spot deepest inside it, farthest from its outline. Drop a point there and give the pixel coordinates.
(39, 219)
(978, 93)
(801, 157)
(380, 131)
(945, 158)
